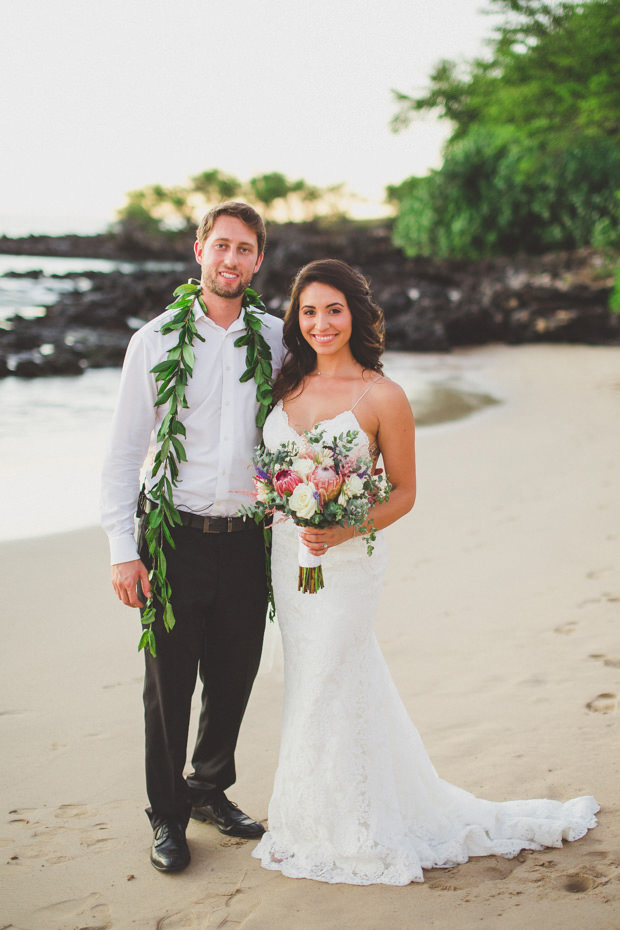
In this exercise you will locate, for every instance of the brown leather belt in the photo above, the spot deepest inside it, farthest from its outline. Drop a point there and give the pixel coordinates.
(209, 524)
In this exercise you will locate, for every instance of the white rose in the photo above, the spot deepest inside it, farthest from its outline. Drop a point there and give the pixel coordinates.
(302, 501)
(303, 467)
(353, 487)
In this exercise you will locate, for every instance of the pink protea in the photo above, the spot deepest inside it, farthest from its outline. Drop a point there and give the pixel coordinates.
(285, 481)
(327, 482)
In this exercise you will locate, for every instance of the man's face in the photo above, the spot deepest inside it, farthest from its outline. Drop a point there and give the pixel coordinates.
(228, 257)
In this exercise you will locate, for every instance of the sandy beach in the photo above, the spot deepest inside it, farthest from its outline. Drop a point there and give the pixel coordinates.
(499, 622)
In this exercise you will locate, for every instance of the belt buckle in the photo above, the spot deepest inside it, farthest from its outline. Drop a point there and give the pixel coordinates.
(230, 523)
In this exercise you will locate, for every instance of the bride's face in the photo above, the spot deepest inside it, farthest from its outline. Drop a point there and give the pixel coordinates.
(325, 320)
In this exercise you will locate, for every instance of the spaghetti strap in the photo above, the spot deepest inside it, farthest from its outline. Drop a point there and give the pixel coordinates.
(366, 392)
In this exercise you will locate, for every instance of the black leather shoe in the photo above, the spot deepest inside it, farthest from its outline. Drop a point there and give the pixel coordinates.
(169, 852)
(227, 817)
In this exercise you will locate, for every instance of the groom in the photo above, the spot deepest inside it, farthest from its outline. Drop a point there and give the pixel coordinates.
(217, 568)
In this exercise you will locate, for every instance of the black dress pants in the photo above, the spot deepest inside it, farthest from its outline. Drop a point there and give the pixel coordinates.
(219, 597)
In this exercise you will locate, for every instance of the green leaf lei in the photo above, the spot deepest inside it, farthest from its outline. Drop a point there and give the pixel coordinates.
(173, 375)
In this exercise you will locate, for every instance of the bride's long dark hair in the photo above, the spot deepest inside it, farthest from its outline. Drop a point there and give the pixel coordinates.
(367, 335)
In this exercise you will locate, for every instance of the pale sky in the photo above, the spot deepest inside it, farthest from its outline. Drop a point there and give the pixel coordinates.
(103, 96)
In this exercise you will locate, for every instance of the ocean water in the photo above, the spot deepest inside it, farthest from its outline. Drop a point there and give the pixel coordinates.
(53, 433)
(29, 224)
(29, 297)
(52, 436)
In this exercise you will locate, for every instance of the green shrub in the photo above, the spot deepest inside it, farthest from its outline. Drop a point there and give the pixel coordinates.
(614, 299)
(498, 194)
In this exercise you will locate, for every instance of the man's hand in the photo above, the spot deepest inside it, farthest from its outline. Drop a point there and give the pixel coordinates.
(125, 578)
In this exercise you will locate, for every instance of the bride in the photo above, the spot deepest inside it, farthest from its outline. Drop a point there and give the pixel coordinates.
(356, 798)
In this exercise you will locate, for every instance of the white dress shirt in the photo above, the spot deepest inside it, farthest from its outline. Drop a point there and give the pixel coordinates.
(220, 423)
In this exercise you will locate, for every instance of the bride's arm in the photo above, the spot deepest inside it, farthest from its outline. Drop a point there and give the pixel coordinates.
(396, 440)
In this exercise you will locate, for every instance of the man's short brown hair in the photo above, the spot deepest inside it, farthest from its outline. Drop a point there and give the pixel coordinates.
(243, 212)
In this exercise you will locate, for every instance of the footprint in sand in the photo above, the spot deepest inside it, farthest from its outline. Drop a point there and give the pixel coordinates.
(577, 883)
(597, 572)
(91, 914)
(604, 703)
(56, 842)
(472, 874)
(222, 908)
(22, 815)
(610, 661)
(195, 917)
(98, 843)
(71, 811)
(565, 628)
(592, 876)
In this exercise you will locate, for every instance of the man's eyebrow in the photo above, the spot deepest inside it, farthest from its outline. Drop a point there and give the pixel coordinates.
(226, 239)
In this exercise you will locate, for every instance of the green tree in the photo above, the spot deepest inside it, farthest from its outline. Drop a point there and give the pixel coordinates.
(156, 208)
(215, 185)
(554, 70)
(266, 189)
(136, 215)
(501, 196)
(532, 162)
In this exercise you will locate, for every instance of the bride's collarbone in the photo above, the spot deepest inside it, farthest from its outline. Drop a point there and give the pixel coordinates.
(304, 417)
(324, 401)
(304, 421)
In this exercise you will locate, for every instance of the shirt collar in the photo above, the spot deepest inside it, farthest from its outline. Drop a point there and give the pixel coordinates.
(201, 316)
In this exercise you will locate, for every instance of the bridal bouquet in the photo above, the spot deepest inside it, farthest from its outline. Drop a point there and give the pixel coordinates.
(317, 482)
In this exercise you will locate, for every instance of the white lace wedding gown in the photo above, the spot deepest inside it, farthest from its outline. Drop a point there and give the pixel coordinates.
(356, 798)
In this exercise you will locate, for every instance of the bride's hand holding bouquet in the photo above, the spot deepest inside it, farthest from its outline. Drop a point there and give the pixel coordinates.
(319, 484)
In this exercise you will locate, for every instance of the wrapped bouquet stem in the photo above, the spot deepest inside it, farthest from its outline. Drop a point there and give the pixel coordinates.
(310, 570)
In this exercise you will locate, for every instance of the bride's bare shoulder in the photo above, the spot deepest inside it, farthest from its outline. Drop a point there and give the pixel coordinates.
(388, 401)
(388, 391)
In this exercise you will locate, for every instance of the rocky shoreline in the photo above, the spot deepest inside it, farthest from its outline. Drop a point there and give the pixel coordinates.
(429, 305)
